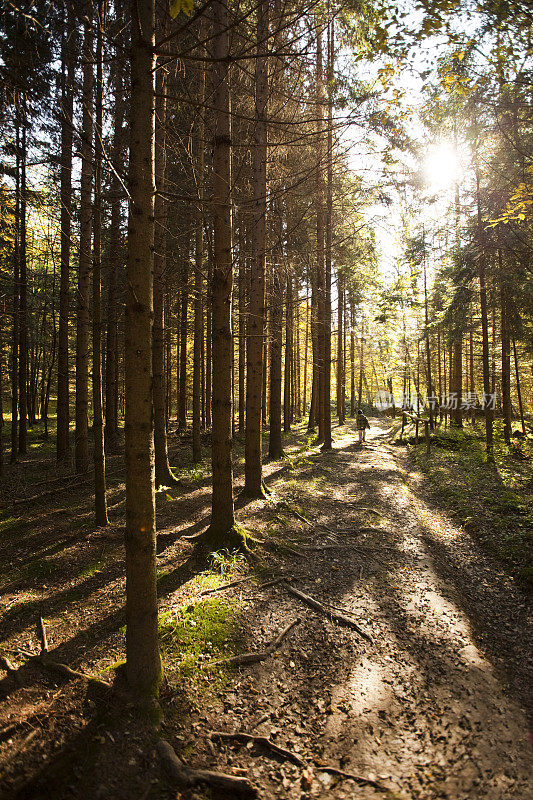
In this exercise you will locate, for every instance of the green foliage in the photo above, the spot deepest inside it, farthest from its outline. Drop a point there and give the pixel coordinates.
(226, 561)
(495, 503)
(204, 631)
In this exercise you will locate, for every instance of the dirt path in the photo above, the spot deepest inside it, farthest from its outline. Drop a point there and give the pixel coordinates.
(421, 709)
(434, 707)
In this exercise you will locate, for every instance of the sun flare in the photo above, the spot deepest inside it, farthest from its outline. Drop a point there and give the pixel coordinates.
(442, 166)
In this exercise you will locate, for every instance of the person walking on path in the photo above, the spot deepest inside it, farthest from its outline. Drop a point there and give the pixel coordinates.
(362, 425)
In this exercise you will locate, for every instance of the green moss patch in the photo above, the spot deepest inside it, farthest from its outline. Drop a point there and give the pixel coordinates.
(197, 634)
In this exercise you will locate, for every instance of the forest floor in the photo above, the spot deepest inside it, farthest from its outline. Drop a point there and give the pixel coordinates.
(436, 705)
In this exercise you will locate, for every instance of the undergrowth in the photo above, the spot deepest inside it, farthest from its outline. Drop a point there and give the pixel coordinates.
(493, 501)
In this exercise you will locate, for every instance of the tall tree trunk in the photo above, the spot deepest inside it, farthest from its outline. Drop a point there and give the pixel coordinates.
(518, 389)
(222, 513)
(361, 363)
(114, 261)
(100, 504)
(320, 255)
(182, 396)
(67, 110)
(352, 361)
(275, 446)
(144, 670)
(253, 475)
(16, 302)
(288, 354)
(84, 264)
(506, 353)
(340, 387)
(428, 353)
(23, 302)
(198, 277)
(329, 213)
(209, 339)
(242, 324)
(163, 473)
(306, 349)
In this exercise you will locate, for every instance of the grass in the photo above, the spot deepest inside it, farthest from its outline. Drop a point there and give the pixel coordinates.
(494, 502)
(92, 569)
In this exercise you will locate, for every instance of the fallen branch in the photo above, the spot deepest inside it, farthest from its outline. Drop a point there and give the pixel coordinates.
(225, 586)
(259, 655)
(350, 776)
(366, 528)
(288, 755)
(317, 547)
(42, 636)
(340, 618)
(186, 776)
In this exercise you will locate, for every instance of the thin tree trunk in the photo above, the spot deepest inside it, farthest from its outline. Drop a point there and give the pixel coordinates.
(306, 348)
(518, 389)
(222, 512)
(100, 504)
(114, 261)
(361, 363)
(340, 292)
(329, 213)
(144, 669)
(198, 278)
(209, 340)
(320, 255)
(242, 325)
(506, 353)
(163, 473)
(67, 110)
(352, 361)
(182, 398)
(288, 354)
(253, 473)
(275, 446)
(23, 303)
(84, 264)
(428, 353)
(16, 303)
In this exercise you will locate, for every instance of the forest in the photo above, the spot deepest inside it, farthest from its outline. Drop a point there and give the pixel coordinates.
(266, 399)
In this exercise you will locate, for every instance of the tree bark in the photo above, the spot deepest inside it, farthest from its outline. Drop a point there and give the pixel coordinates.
(67, 110)
(288, 354)
(198, 277)
(275, 446)
(329, 215)
(253, 473)
(84, 264)
(182, 395)
(506, 353)
(100, 503)
(16, 302)
(163, 473)
(23, 302)
(114, 261)
(222, 511)
(144, 670)
(320, 255)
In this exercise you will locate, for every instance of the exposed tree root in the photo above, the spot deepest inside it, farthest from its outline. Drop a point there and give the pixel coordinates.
(186, 776)
(259, 655)
(334, 615)
(288, 755)
(350, 776)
